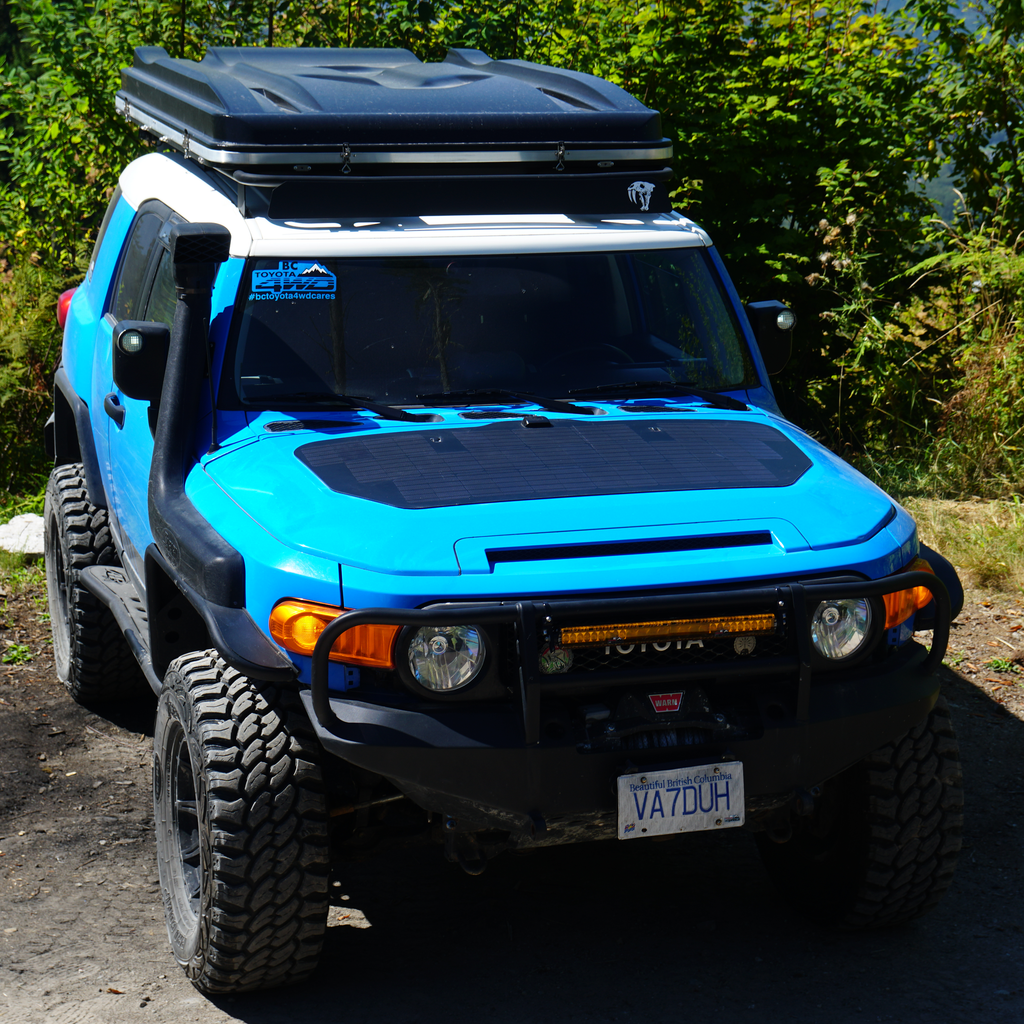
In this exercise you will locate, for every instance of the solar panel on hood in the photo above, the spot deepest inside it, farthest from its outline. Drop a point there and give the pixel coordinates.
(504, 461)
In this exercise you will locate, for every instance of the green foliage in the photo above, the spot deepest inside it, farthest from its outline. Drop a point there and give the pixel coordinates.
(948, 418)
(62, 147)
(29, 349)
(15, 653)
(979, 74)
(18, 574)
(1001, 665)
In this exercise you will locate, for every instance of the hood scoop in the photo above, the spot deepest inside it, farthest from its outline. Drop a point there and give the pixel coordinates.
(633, 547)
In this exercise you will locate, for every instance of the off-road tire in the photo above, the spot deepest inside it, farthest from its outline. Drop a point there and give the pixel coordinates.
(882, 844)
(91, 656)
(241, 828)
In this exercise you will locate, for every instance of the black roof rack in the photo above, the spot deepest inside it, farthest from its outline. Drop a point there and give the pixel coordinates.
(299, 121)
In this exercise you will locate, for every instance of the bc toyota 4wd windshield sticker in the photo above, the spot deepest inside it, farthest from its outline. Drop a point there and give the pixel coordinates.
(293, 279)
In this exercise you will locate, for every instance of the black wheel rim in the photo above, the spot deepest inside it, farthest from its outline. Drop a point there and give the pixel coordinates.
(186, 864)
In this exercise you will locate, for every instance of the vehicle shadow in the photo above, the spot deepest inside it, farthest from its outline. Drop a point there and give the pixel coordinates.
(135, 716)
(674, 930)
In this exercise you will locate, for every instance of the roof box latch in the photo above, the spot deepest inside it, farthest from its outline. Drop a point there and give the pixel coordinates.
(560, 163)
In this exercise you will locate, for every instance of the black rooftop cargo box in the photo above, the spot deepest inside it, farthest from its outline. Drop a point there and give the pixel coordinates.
(272, 117)
(253, 107)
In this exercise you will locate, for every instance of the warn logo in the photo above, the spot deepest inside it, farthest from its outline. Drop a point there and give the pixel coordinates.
(665, 702)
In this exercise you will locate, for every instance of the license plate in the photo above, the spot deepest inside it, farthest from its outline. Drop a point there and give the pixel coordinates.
(695, 799)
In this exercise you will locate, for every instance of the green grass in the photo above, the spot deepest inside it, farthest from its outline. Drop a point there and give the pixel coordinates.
(944, 470)
(19, 572)
(16, 654)
(1001, 665)
(12, 505)
(983, 539)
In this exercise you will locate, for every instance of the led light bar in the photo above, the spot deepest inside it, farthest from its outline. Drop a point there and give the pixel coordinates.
(761, 624)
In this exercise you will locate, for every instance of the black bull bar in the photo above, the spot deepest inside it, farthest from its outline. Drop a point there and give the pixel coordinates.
(526, 614)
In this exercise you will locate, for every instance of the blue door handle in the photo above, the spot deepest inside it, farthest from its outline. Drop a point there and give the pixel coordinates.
(114, 409)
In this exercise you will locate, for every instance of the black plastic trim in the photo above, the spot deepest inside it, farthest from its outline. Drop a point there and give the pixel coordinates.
(111, 585)
(946, 572)
(633, 547)
(86, 448)
(233, 631)
(499, 194)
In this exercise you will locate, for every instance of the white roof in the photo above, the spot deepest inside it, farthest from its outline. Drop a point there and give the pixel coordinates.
(155, 176)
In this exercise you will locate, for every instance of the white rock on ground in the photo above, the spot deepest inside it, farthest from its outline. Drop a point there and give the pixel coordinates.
(23, 534)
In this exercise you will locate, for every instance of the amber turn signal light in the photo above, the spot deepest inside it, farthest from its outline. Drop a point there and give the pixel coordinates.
(899, 606)
(297, 625)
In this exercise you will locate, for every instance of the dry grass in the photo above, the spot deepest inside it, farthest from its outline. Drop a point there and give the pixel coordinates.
(983, 539)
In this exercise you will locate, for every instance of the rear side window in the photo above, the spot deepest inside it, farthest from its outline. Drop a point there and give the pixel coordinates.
(132, 281)
(141, 261)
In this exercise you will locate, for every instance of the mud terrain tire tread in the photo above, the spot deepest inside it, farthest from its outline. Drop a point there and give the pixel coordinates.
(896, 840)
(92, 657)
(263, 858)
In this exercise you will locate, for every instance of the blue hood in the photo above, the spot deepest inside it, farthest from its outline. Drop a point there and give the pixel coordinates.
(754, 497)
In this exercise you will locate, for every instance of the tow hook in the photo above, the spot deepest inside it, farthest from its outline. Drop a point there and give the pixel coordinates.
(803, 801)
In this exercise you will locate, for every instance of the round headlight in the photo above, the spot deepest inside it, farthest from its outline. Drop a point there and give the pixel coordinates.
(445, 658)
(840, 628)
(786, 320)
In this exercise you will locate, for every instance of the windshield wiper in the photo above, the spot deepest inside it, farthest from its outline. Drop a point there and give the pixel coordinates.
(485, 396)
(651, 387)
(386, 412)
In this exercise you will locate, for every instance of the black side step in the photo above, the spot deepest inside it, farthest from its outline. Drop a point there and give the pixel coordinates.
(110, 585)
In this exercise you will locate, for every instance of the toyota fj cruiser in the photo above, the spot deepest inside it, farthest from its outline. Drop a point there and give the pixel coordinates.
(425, 464)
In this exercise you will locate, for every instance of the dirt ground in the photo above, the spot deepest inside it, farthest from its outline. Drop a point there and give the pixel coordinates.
(687, 930)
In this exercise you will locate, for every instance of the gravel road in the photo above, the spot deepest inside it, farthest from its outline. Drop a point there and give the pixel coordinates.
(685, 930)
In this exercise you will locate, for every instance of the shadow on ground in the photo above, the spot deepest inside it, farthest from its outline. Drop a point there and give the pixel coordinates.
(683, 930)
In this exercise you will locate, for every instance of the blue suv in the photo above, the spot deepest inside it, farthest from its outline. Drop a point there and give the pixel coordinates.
(426, 466)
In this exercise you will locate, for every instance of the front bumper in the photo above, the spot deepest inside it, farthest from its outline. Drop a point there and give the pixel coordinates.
(524, 765)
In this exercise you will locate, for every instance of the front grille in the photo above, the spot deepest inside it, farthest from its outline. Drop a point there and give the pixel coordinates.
(706, 651)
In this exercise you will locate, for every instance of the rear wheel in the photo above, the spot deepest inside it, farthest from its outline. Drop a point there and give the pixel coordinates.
(241, 828)
(882, 844)
(91, 656)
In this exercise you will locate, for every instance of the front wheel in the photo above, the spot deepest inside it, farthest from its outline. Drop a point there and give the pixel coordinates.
(882, 844)
(241, 828)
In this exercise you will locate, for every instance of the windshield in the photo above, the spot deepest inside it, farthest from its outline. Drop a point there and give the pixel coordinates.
(393, 329)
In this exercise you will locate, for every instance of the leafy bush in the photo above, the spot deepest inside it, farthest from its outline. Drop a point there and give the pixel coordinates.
(29, 349)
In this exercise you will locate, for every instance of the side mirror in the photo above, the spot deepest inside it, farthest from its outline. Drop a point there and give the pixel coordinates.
(773, 324)
(140, 357)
